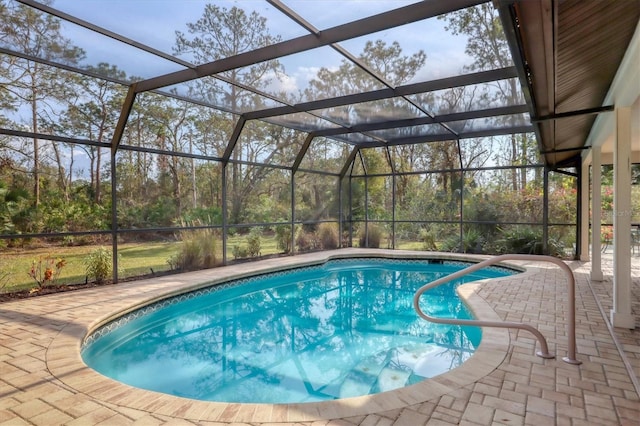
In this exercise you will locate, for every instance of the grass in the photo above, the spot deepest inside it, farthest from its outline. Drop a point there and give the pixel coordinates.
(144, 258)
(410, 245)
(268, 245)
(135, 259)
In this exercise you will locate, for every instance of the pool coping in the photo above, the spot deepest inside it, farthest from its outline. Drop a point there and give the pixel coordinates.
(65, 363)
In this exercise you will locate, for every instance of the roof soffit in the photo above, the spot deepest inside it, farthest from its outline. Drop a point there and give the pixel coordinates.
(571, 50)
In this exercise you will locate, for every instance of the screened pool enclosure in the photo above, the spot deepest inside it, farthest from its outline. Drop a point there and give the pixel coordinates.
(185, 135)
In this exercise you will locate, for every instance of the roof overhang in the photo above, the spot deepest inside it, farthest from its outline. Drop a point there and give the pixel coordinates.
(567, 53)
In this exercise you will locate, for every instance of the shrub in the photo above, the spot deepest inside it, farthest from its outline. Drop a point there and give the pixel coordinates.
(254, 241)
(197, 251)
(483, 207)
(4, 276)
(283, 238)
(208, 215)
(307, 241)
(187, 257)
(46, 270)
(525, 240)
(520, 240)
(239, 252)
(328, 236)
(428, 238)
(451, 244)
(375, 236)
(346, 239)
(472, 241)
(99, 264)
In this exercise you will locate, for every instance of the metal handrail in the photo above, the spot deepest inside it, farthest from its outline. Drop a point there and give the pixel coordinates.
(544, 349)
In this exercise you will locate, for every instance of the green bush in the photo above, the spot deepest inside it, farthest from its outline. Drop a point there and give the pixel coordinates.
(99, 264)
(472, 241)
(283, 238)
(161, 213)
(428, 239)
(208, 215)
(254, 242)
(451, 244)
(526, 240)
(239, 252)
(483, 207)
(328, 236)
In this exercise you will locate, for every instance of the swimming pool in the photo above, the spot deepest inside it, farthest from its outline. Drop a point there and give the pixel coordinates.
(344, 328)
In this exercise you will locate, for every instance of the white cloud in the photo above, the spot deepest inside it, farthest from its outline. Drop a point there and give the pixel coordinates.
(281, 83)
(443, 64)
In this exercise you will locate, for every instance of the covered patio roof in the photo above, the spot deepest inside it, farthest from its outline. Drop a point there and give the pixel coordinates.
(567, 54)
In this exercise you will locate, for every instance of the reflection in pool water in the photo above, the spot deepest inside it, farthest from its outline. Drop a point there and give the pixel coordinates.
(346, 328)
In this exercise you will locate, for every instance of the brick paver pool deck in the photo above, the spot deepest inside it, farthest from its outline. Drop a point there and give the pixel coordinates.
(43, 380)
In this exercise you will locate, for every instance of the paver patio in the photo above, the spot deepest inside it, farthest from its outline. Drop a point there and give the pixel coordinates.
(43, 380)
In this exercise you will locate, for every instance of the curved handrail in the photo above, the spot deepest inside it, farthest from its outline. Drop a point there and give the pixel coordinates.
(544, 350)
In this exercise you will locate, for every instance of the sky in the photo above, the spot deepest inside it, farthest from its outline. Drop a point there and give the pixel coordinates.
(154, 23)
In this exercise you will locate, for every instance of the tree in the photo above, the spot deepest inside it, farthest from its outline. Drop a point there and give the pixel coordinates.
(223, 33)
(378, 190)
(407, 159)
(212, 131)
(92, 111)
(30, 83)
(396, 69)
(488, 47)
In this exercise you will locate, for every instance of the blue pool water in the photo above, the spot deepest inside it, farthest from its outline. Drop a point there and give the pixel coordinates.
(346, 328)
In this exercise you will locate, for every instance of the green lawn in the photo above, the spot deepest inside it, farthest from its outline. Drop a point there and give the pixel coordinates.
(268, 245)
(410, 245)
(136, 259)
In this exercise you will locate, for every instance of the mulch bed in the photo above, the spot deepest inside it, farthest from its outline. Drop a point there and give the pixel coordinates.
(53, 289)
(50, 289)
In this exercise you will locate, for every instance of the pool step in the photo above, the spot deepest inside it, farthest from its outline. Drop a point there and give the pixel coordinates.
(392, 378)
(385, 370)
(362, 378)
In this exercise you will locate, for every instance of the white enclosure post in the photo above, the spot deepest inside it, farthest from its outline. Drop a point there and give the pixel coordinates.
(621, 313)
(596, 214)
(584, 212)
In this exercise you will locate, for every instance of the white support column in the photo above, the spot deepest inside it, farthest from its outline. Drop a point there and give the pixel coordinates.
(596, 212)
(621, 313)
(584, 216)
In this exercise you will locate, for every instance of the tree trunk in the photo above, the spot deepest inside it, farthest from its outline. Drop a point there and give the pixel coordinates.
(514, 158)
(523, 155)
(236, 199)
(174, 169)
(194, 188)
(62, 178)
(98, 198)
(36, 145)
